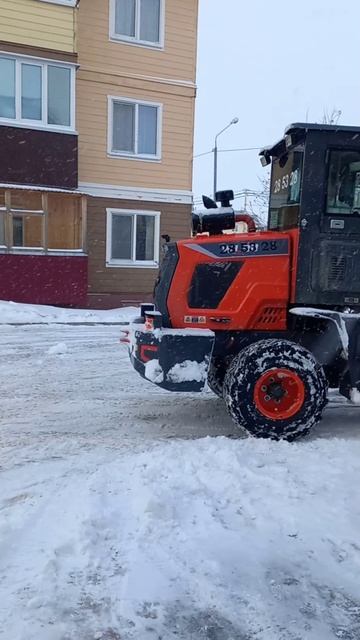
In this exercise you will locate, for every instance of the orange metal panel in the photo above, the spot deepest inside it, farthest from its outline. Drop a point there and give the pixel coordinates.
(256, 300)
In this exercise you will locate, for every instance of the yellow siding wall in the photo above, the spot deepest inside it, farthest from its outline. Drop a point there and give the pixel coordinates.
(116, 69)
(175, 169)
(176, 61)
(38, 24)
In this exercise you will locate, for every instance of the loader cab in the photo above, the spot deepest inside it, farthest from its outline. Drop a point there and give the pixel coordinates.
(315, 198)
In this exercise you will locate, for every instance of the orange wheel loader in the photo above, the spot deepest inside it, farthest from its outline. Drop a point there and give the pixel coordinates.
(269, 319)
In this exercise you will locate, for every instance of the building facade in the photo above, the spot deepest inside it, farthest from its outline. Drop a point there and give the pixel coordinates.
(96, 126)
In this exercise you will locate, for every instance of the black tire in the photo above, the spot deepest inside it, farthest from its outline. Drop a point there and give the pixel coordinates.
(245, 371)
(215, 378)
(216, 374)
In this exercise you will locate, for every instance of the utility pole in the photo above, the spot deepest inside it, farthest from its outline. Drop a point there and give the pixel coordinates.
(215, 152)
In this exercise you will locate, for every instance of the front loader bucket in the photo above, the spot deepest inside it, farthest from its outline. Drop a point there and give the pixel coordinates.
(175, 360)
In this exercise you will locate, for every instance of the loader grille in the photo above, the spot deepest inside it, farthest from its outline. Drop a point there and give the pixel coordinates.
(337, 269)
(270, 317)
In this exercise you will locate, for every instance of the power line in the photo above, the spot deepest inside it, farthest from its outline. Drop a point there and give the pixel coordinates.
(206, 153)
(241, 149)
(252, 192)
(237, 195)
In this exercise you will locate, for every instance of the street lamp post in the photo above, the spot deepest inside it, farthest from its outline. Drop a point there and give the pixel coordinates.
(215, 150)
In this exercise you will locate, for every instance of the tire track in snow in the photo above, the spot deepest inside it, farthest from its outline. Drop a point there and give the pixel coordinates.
(37, 541)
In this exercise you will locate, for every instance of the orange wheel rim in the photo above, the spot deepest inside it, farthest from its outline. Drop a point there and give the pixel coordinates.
(279, 394)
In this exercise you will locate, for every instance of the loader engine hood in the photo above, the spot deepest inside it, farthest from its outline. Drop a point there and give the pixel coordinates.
(163, 282)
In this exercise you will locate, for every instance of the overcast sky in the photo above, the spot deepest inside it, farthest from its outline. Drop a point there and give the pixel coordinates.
(270, 63)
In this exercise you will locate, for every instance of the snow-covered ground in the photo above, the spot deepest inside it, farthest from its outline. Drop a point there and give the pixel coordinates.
(126, 513)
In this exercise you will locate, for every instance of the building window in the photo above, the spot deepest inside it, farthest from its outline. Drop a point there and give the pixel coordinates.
(31, 92)
(18, 231)
(7, 88)
(134, 129)
(132, 238)
(59, 96)
(2, 218)
(37, 94)
(138, 21)
(38, 221)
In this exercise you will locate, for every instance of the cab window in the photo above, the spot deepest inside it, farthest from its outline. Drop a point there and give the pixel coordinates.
(343, 190)
(285, 191)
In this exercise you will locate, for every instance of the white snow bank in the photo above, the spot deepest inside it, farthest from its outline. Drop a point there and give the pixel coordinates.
(13, 312)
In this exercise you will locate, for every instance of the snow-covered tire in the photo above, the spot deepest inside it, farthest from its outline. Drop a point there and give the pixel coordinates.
(215, 377)
(263, 372)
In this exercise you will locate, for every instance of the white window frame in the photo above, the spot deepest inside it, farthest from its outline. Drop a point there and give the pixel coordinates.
(3, 216)
(128, 154)
(42, 124)
(117, 37)
(147, 264)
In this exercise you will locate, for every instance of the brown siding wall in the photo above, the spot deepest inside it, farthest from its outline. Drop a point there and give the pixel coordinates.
(37, 52)
(42, 158)
(128, 284)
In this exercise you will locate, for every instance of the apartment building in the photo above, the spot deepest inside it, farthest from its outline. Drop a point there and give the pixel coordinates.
(96, 126)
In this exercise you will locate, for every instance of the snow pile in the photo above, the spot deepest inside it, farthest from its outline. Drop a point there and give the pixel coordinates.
(57, 349)
(355, 396)
(154, 372)
(159, 333)
(14, 313)
(187, 371)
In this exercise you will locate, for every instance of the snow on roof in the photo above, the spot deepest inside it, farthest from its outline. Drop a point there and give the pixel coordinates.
(31, 187)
